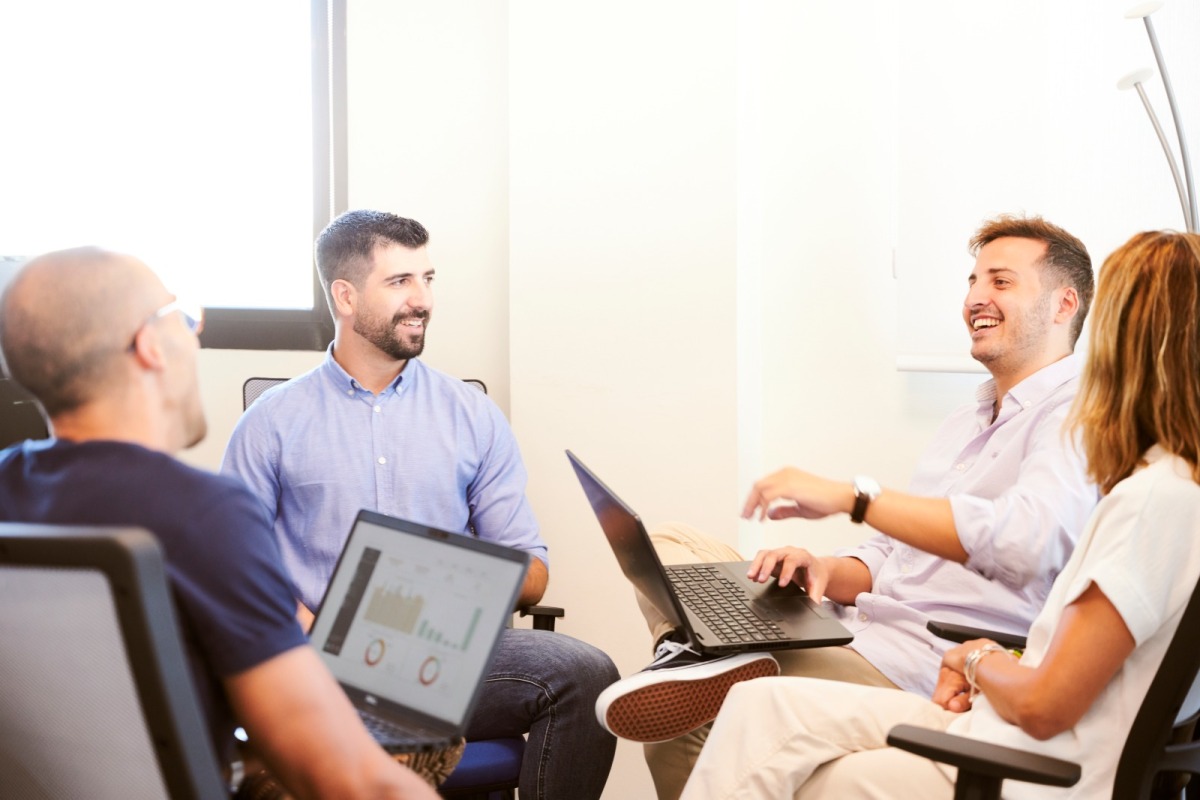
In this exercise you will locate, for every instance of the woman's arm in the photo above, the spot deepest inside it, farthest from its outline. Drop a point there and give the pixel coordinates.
(1091, 643)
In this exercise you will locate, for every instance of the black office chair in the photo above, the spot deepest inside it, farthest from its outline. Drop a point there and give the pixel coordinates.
(1159, 753)
(20, 417)
(98, 700)
(490, 769)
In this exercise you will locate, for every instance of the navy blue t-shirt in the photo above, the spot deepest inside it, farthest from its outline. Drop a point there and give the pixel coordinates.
(234, 600)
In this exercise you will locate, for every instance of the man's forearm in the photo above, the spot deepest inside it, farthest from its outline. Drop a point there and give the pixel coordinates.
(926, 523)
(848, 578)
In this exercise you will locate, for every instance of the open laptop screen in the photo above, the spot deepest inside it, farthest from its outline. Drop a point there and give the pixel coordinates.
(412, 614)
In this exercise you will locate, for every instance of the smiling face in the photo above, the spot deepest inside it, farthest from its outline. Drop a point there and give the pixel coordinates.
(1009, 312)
(396, 301)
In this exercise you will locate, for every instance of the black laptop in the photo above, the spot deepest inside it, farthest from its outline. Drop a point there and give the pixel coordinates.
(716, 605)
(410, 623)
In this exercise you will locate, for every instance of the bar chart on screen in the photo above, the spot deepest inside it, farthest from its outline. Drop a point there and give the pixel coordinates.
(412, 617)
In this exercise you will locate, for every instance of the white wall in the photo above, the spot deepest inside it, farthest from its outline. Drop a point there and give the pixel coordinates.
(1017, 109)
(664, 233)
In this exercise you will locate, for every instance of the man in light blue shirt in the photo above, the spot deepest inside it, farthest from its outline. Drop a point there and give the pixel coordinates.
(373, 427)
(992, 514)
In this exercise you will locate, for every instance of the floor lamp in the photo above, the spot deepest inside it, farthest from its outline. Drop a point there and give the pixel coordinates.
(1184, 183)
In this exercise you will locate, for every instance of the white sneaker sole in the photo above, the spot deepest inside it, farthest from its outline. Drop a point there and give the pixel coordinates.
(659, 705)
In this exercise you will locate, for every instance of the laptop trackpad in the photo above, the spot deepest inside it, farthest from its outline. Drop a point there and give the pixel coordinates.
(766, 610)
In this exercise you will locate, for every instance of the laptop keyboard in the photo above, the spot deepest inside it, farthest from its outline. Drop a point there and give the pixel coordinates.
(722, 604)
(391, 734)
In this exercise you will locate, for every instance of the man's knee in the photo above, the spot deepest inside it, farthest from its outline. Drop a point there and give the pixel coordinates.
(679, 543)
(558, 658)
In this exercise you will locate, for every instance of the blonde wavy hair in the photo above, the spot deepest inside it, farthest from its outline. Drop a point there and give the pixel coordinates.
(1141, 383)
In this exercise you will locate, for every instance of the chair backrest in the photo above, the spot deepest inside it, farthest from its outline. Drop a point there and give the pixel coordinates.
(1169, 701)
(97, 698)
(20, 417)
(254, 387)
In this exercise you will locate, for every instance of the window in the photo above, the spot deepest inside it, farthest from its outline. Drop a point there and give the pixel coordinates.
(194, 136)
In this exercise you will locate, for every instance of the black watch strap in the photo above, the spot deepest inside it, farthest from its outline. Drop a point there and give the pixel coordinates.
(861, 501)
(865, 490)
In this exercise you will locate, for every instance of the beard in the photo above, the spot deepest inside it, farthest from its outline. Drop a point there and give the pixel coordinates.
(1026, 334)
(384, 334)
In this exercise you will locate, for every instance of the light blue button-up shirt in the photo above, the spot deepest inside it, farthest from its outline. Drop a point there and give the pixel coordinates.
(429, 448)
(1020, 496)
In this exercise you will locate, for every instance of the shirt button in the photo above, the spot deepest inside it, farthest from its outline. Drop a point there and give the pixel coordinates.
(1026, 404)
(863, 617)
(382, 459)
(960, 467)
(378, 409)
(350, 393)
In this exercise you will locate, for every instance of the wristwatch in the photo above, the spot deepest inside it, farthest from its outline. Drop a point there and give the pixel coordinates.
(865, 490)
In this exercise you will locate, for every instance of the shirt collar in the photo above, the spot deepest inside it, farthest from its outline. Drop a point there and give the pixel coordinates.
(1035, 388)
(344, 382)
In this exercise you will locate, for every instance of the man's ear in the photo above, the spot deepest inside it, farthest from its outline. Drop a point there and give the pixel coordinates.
(147, 349)
(345, 297)
(1068, 304)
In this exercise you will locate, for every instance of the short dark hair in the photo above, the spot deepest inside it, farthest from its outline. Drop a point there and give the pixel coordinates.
(343, 250)
(1066, 261)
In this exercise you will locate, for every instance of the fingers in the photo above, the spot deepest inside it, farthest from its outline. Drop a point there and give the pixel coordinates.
(956, 657)
(785, 510)
(952, 692)
(950, 685)
(763, 566)
(766, 492)
(817, 579)
(755, 504)
(959, 703)
(793, 566)
(789, 564)
(757, 564)
(792, 492)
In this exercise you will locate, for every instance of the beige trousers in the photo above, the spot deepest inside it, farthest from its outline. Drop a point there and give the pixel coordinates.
(817, 740)
(671, 762)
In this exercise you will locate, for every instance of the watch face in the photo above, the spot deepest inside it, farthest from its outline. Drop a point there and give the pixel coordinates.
(867, 486)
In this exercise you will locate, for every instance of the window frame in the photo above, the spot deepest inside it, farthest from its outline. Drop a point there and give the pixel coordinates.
(303, 329)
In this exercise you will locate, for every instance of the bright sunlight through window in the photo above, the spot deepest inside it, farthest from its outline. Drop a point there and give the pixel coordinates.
(178, 132)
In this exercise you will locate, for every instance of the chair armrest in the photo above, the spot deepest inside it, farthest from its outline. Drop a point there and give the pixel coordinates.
(965, 633)
(543, 616)
(982, 758)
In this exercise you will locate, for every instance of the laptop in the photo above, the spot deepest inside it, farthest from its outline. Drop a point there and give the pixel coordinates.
(410, 623)
(715, 605)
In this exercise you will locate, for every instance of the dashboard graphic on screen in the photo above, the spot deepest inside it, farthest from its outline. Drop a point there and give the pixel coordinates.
(414, 620)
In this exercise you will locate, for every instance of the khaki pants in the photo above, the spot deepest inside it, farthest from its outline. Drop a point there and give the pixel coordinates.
(817, 740)
(671, 762)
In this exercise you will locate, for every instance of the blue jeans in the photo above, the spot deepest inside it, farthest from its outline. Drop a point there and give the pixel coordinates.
(545, 684)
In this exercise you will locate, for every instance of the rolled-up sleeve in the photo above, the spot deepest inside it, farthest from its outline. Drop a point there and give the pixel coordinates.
(873, 552)
(1030, 528)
